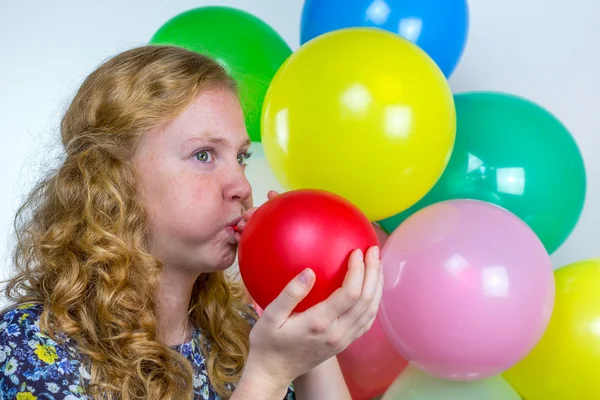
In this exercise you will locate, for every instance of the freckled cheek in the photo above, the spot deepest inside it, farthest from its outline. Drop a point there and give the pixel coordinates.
(173, 213)
(184, 199)
(205, 192)
(180, 197)
(162, 196)
(199, 200)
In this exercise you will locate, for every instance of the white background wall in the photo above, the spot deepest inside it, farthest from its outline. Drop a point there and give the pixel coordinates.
(544, 50)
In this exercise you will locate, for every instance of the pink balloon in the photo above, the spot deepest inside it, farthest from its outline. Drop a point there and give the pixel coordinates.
(469, 289)
(370, 364)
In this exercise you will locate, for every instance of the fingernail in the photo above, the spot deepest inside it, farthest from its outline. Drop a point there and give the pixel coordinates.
(304, 277)
(359, 255)
(376, 252)
(241, 224)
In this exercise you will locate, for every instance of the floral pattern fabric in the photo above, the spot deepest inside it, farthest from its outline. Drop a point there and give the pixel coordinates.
(33, 366)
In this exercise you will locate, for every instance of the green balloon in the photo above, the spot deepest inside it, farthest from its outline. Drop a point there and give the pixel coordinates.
(414, 384)
(250, 49)
(515, 154)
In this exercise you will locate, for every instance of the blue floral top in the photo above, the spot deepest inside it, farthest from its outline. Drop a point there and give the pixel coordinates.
(33, 366)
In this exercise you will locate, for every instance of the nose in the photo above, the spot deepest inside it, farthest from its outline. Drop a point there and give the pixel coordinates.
(237, 187)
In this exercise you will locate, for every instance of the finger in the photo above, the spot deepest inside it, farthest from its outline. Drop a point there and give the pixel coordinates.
(245, 217)
(366, 322)
(295, 291)
(248, 213)
(346, 296)
(374, 306)
(369, 288)
(240, 226)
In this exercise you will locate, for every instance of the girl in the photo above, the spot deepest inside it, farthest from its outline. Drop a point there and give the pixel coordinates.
(122, 251)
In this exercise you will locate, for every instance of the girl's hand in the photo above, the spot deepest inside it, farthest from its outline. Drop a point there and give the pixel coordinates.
(285, 345)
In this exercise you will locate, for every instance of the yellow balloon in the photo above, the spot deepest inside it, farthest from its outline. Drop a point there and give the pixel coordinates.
(565, 363)
(363, 113)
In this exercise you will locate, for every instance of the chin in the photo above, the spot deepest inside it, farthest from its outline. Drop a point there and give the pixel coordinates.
(222, 261)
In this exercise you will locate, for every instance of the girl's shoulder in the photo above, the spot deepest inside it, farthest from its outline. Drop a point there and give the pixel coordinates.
(32, 363)
(20, 315)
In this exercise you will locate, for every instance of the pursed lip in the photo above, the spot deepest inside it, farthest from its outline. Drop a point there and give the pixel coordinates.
(233, 222)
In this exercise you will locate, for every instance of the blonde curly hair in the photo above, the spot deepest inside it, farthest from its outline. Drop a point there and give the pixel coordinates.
(81, 237)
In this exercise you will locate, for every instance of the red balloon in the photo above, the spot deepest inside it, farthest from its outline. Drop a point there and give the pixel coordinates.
(370, 364)
(301, 229)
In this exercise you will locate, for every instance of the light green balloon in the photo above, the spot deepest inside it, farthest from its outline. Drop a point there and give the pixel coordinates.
(414, 384)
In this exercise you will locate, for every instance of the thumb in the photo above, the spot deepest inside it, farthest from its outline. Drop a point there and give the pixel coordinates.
(295, 291)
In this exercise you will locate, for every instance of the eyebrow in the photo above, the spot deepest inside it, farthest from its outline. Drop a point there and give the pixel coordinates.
(207, 137)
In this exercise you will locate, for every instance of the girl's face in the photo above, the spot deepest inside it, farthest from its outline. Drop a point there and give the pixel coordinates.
(191, 177)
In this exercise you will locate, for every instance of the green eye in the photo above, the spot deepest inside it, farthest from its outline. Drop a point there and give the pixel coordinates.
(242, 157)
(203, 156)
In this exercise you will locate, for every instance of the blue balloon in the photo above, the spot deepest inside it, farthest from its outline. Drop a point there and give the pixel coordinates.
(439, 27)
